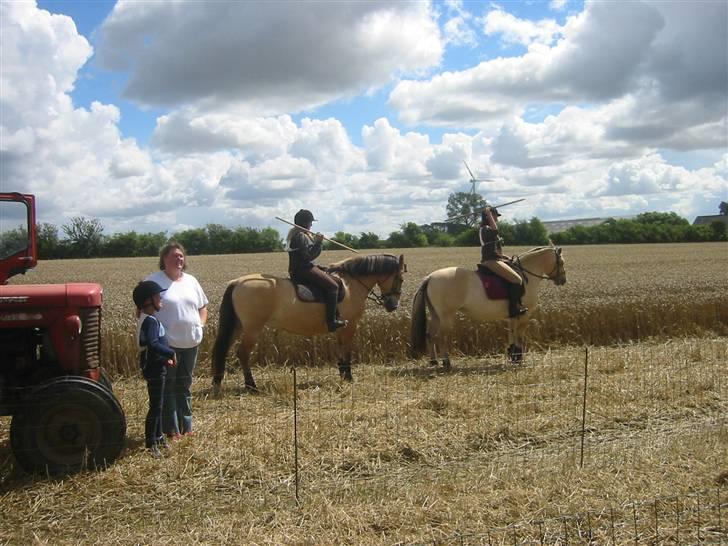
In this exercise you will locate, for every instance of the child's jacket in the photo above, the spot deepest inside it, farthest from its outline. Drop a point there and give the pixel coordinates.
(154, 349)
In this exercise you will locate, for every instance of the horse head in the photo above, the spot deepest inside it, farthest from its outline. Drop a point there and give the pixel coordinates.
(391, 286)
(545, 262)
(383, 270)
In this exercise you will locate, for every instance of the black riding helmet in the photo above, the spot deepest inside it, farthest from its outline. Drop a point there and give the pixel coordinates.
(484, 219)
(145, 290)
(303, 217)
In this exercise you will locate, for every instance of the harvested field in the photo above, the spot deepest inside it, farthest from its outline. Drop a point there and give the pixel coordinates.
(613, 294)
(489, 453)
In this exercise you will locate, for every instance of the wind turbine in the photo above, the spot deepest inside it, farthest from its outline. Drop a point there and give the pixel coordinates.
(474, 181)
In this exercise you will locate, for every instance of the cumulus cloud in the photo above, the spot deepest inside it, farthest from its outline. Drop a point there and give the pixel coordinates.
(659, 68)
(228, 150)
(519, 31)
(268, 57)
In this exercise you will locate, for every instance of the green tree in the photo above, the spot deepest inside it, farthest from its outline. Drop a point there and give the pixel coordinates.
(369, 240)
(465, 203)
(410, 235)
(344, 238)
(85, 236)
(122, 244)
(49, 244)
(194, 240)
(531, 232)
(219, 239)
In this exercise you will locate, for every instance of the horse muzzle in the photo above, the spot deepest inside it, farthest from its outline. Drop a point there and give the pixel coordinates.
(391, 304)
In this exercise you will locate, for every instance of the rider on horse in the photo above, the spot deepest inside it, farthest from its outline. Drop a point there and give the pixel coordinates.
(492, 257)
(303, 249)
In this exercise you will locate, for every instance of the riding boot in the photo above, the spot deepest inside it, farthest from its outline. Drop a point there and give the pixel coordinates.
(332, 319)
(515, 309)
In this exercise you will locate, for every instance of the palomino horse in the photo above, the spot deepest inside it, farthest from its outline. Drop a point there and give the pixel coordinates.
(447, 291)
(255, 301)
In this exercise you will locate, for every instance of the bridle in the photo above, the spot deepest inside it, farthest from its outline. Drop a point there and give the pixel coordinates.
(555, 272)
(381, 299)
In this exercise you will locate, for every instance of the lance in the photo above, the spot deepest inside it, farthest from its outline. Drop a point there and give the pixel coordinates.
(314, 234)
(478, 212)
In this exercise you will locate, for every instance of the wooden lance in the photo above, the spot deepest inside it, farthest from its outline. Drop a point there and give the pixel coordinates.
(478, 212)
(314, 234)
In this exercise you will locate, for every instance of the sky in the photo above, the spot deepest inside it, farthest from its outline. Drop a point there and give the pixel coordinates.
(170, 115)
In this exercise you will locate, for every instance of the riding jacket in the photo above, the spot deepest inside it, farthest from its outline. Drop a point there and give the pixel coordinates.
(490, 244)
(302, 251)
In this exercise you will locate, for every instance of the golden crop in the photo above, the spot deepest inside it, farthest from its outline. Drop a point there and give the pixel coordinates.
(614, 293)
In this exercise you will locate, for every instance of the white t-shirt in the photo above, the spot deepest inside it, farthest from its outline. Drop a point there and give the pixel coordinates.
(181, 305)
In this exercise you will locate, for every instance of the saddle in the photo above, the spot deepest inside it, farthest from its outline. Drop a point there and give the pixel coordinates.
(494, 285)
(309, 293)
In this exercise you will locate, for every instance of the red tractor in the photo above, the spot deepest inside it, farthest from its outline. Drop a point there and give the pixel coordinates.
(64, 415)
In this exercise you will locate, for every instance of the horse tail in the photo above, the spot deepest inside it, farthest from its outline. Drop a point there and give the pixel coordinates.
(418, 327)
(228, 321)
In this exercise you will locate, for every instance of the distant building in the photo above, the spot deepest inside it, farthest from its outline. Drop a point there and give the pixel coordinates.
(557, 226)
(707, 220)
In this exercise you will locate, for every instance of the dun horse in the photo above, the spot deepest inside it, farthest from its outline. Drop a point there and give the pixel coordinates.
(255, 301)
(447, 291)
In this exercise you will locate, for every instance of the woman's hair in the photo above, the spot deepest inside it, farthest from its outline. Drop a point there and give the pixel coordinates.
(169, 247)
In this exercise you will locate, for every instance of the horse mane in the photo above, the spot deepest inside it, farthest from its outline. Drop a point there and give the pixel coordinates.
(534, 251)
(360, 266)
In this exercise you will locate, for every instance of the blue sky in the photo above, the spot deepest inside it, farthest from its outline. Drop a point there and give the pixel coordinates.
(159, 116)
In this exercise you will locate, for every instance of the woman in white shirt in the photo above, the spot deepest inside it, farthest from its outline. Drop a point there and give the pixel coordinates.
(183, 316)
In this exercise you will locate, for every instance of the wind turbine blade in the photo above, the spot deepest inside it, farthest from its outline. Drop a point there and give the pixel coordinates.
(472, 176)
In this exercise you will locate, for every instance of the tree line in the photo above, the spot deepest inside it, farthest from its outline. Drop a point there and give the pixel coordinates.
(85, 238)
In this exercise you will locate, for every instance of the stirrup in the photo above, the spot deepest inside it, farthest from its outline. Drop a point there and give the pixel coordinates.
(519, 311)
(336, 324)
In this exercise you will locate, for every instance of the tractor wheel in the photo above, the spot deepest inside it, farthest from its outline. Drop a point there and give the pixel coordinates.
(68, 424)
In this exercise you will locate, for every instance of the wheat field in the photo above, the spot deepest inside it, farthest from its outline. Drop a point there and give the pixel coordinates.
(613, 431)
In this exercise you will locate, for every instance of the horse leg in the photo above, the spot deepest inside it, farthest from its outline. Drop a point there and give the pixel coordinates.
(516, 337)
(345, 339)
(244, 349)
(433, 338)
(440, 335)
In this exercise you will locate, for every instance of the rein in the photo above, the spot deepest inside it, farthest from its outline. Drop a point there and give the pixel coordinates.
(551, 276)
(377, 298)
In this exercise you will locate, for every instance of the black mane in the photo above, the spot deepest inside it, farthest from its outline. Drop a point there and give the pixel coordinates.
(360, 266)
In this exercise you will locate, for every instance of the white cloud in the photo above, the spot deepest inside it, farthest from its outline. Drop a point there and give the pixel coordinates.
(267, 57)
(520, 31)
(211, 160)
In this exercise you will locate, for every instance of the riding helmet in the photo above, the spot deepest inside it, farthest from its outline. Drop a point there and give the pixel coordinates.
(145, 290)
(303, 217)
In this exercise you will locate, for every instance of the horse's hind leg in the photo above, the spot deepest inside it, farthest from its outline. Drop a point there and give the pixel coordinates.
(437, 333)
(244, 349)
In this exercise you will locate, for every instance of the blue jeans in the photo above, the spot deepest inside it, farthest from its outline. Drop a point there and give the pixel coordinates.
(153, 422)
(177, 414)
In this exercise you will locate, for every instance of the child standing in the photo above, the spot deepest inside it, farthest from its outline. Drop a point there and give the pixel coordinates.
(155, 356)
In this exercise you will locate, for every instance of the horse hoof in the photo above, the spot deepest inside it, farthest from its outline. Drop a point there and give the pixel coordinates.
(434, 363)
(216, 390)
(346, 375)
(252, 388)
(446, 364)
(515, 353)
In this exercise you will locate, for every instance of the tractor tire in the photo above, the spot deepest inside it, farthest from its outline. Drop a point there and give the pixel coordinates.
(66, 425)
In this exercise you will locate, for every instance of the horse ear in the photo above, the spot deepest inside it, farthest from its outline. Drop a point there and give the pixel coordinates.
(402, 265)
(551, 243)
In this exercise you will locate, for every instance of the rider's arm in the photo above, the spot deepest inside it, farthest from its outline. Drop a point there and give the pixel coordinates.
(305, 248)
(490, 219)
